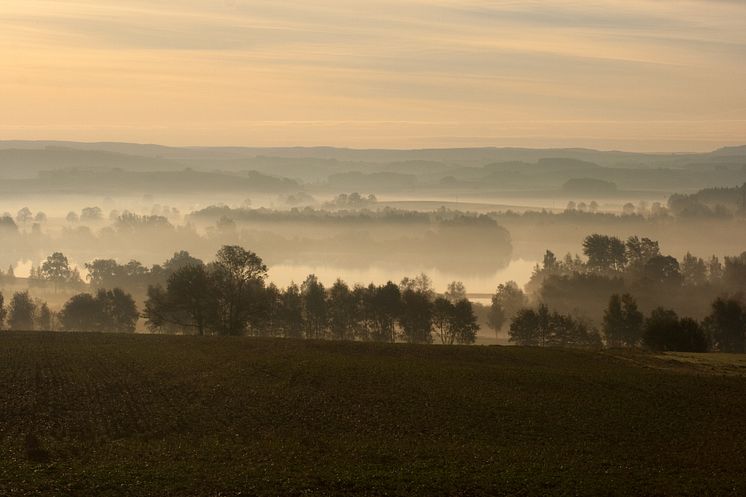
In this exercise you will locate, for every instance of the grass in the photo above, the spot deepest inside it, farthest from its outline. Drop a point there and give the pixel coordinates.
(104, 415)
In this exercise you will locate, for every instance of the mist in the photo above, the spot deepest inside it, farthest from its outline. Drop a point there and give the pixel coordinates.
(399, 247)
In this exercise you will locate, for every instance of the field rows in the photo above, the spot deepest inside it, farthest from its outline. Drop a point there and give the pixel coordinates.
(90, 414)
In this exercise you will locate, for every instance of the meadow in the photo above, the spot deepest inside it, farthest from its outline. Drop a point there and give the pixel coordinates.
(141, 415)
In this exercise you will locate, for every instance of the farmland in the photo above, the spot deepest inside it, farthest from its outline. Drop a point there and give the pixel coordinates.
(106, 414)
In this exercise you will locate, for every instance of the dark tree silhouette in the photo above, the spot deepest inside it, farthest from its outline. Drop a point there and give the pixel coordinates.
(727, 324)
(544, 328)
(179, 260)
(442, 317)
(119, 310)
(415, 318)
(110, 311)
(238, 276)
(3, 310)
(343, 311)
(605, 253)
(384, 304)
(314, 307)
(82, 312)
(187, 302)
(291, 309)
(525, 329)
(662, 269)
(622, 323)
(44, 319)
(464, 326)
(665, 332)
(506, 302)
(21, 311)
(638, 251)
(693, 270)
(56, 269)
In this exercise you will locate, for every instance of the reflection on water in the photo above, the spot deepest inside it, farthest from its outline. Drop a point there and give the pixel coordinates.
(518, 270)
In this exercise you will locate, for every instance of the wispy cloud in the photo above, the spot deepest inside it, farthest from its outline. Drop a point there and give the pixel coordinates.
(433, 67)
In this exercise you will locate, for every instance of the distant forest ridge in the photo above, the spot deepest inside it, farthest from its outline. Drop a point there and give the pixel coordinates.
(118, 168)
(472, 154)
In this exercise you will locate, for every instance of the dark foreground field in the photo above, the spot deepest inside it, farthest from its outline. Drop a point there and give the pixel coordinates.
(98, 415)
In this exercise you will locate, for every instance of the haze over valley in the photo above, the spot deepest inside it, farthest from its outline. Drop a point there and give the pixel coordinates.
(398, 247)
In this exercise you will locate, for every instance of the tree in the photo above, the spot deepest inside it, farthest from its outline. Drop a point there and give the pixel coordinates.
(269, 320)
(3, 311)
(734, 273)
(21, 311)
(109, 311)
(693, 270)
(663, 270)
(45, 317)
(714, 270)
(187, 302)
(692, 337)
(415, 318)
(384, 309)
(506, 302)
(24, 216)
(544, 328)
(622, 322)
(464, 326)
(72, 217)
(239, 280)
(314, 307)
(442, 318)
(103, 272)
(420, 283)
(727, 324)
(605, 253)
(56, 269)
(82, 312)
(524, 329)
(665, 332)
(342, 311)
(190, 298)
(179, 260)
(89, 214)
(455, 292)
(119, 310)
(550, 263)
(638, 251)
(291, 312)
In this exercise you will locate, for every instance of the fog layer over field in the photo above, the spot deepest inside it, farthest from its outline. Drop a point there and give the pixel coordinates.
(481, 216)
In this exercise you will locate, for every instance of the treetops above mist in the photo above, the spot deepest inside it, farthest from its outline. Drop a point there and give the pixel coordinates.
(581, 286)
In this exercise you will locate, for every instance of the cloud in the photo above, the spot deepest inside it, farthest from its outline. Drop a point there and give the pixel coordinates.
(416, 61)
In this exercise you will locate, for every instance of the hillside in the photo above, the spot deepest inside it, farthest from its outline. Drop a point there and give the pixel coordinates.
(98, 415)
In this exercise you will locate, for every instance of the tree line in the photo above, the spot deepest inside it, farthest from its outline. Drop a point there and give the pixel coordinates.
(229, 296)
(573, 294)
(624, 325)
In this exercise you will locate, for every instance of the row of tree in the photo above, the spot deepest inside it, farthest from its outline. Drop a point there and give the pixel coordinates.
(25, 313)
(624, 325)
(641, 259)
(724, 329)
(230, 297)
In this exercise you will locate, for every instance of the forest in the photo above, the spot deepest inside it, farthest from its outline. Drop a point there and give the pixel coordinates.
(588, 302)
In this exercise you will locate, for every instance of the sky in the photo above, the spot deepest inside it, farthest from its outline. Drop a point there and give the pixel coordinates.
(654, 75)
